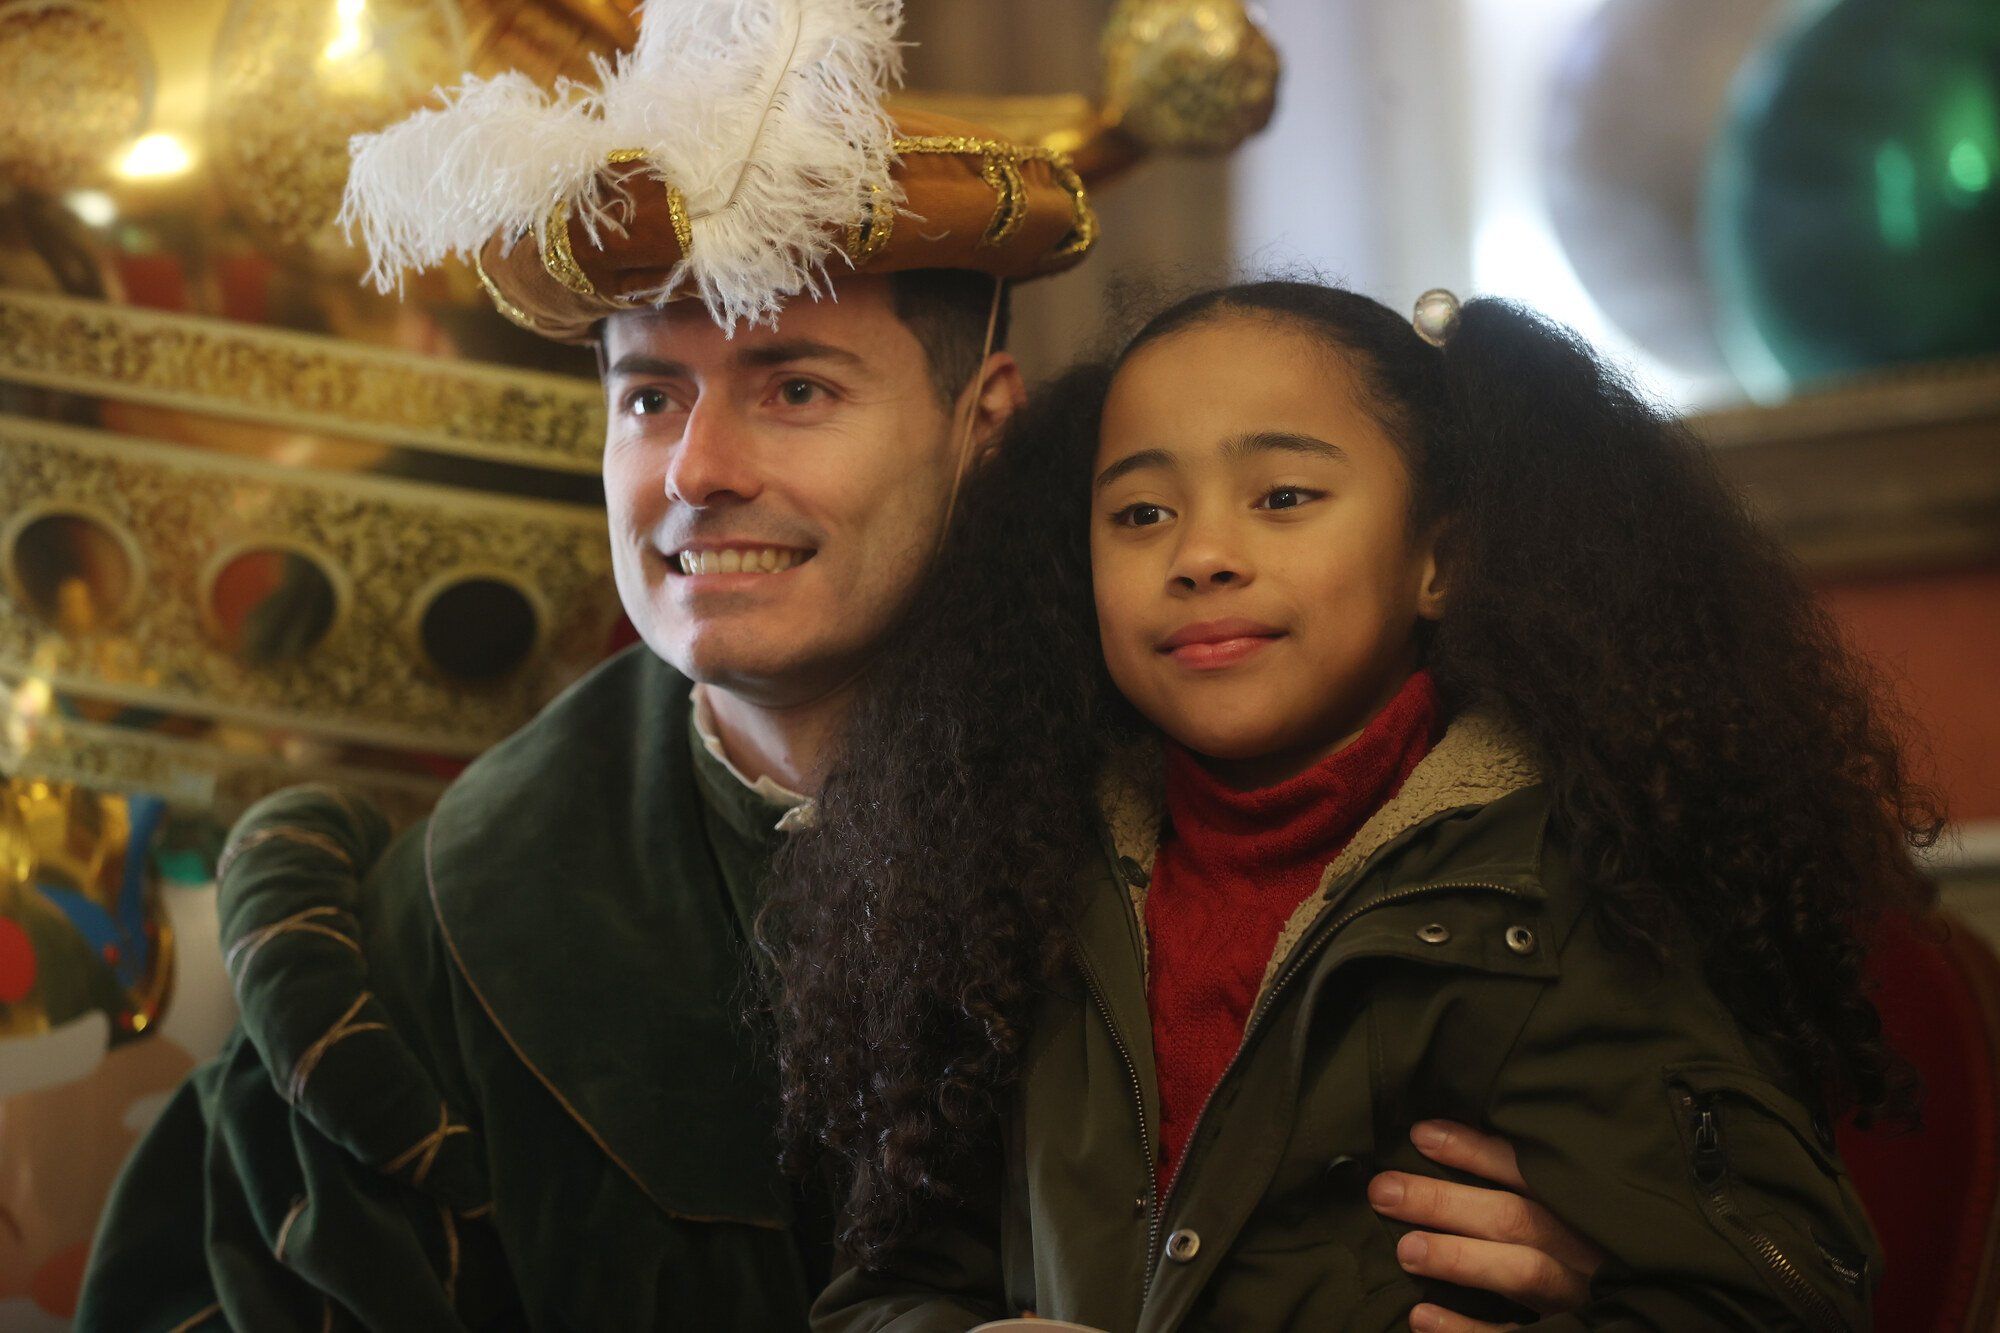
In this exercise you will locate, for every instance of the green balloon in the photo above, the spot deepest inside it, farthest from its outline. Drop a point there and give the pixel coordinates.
(1852, 217)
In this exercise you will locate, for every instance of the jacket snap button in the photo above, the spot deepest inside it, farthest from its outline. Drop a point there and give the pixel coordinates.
(1520, 939)
(1183, 1245)
(1134, 873)
(1434, 933)
(1138, 1205)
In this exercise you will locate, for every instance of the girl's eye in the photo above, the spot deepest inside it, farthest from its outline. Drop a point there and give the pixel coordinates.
(798, 393)
(647, 402)
(1140, 515)
(1287, 497)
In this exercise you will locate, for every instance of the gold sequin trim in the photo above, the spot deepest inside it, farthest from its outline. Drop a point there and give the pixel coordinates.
(506, 307)
(869, 233)
(307, 922)
(1004, 175)
(285, 1228)
(677, 213)
(677, 207)
(1083, 224)
(284, 832)
(1000, 167)
(424, 1152)
(198, 1318)
(558, 259)
(341, 1030)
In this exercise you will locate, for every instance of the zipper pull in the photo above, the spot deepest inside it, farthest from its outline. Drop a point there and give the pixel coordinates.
(1710, 1162)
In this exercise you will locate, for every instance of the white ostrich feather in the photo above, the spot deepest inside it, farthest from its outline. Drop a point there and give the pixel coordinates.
(766, 114)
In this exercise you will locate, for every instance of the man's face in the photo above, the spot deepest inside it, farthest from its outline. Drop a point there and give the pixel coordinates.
(774, 496)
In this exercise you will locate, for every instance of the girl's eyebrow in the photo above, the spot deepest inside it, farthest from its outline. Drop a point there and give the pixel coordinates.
(1282, 441)
(1131, 463)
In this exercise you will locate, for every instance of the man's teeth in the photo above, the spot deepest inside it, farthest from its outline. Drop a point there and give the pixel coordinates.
(770, 560)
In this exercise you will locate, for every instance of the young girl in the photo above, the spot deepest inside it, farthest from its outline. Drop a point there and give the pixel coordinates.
(1312, 732)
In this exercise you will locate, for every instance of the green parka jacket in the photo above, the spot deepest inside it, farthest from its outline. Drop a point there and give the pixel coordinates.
(1449, 967)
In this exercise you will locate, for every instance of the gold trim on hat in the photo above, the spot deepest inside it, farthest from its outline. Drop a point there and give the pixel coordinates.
(871, 229)
(1000, 167)
(558, 259)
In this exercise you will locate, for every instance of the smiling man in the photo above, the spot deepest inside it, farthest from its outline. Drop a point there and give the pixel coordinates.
(495, 1072)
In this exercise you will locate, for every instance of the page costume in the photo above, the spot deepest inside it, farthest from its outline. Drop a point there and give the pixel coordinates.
(494, 1073)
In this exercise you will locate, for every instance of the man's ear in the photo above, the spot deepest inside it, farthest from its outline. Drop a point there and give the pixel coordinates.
(998, 393)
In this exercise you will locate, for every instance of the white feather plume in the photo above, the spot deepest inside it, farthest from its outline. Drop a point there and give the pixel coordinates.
(766, 114)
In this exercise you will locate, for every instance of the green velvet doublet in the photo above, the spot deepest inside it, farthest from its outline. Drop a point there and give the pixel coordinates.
(495, 1073)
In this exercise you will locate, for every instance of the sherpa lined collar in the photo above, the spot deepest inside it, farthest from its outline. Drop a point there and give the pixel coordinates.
(1481, 758)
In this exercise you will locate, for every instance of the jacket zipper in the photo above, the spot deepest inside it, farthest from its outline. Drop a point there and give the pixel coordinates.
(1138, 1108)
(1711, 1169)
(1312, 950)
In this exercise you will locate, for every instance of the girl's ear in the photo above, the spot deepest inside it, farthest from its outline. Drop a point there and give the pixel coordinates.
(1431, 591)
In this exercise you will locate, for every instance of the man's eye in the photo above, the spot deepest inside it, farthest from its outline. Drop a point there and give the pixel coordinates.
(798, 393)
(647, 402)
(1140, 515)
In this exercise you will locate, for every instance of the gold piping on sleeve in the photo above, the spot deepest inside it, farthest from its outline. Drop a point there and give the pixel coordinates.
(285, 1228)
(425, 1150)
(198, 1318)
(474, 1214)
(246, 948)
(451, 1254)
(286, 832)
(344, 1028)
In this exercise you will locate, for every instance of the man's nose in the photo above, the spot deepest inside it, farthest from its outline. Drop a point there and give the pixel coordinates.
(714, 462)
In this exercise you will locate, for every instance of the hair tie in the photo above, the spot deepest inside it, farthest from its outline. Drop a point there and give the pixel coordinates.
(1436, 318)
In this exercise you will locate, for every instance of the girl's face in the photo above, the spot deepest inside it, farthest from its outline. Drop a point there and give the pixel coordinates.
(1258, 586)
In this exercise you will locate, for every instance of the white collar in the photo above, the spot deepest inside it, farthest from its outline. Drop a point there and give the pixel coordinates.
(797, 807)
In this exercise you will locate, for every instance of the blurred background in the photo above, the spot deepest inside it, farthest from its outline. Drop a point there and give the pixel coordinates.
(259, 525)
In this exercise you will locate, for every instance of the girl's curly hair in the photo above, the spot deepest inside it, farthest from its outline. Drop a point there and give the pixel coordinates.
(1729, 775)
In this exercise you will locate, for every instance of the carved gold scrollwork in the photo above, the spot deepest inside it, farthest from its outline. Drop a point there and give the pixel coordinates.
(385, 540)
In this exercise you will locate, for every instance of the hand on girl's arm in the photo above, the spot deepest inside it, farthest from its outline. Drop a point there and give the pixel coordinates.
(1497, 1240)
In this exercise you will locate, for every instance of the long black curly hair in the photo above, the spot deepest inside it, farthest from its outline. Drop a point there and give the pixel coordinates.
(1730, 778)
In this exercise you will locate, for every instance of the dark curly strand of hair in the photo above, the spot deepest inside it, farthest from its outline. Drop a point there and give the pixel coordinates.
(913, 930)
(1730, 779)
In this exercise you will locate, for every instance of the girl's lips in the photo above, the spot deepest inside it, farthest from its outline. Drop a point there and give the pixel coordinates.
(1213, 654)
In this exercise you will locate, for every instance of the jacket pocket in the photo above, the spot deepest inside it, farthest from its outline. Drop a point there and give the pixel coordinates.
(1767, 1179)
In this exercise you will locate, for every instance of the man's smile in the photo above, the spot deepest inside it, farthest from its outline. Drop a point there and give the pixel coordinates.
(736, 558)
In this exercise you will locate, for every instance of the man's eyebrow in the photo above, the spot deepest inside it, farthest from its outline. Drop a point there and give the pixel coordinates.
(1284, 442)
(1131, 463)
(638, 363)
(795, 349)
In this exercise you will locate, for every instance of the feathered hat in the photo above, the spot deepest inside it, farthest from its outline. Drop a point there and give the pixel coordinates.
(737, 154)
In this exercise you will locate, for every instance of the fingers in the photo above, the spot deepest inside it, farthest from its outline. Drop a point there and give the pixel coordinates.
(1466, 1149)
(1527, 1276)
(1437, 1319)
(1467, 1210)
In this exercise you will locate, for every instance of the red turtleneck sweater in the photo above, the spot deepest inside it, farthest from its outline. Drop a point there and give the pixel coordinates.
(1231, 870)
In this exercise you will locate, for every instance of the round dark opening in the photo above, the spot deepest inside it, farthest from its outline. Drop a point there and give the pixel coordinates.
(73, 571)
(269, 605)
(479, 629)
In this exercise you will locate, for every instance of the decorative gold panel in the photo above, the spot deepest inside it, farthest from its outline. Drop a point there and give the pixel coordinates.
(300, 380)
(387, 544)
(193, 774)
